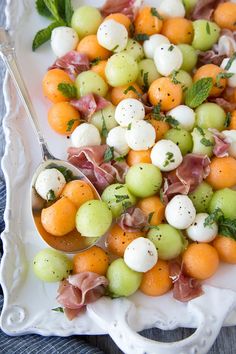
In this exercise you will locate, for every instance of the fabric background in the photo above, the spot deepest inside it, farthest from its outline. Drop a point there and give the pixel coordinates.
(34, 344)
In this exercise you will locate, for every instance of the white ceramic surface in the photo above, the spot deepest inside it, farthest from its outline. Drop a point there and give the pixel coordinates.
(28, 302)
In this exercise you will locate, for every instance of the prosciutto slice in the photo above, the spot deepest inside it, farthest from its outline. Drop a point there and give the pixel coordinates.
(125, 7)
(210, 57)
(78, 290)
(90, 160)
(187, 176)
(73, 63)
(225, 104)
(132, 220)
(89, 104)
(204, 9)
(185, 288)
(221, 143)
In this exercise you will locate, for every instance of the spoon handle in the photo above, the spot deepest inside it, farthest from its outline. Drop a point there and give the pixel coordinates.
(7, 52)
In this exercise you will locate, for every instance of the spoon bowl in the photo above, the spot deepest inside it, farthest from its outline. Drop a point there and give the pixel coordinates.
(72, 242)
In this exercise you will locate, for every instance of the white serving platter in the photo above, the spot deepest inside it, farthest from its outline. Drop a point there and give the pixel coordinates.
(28, 302)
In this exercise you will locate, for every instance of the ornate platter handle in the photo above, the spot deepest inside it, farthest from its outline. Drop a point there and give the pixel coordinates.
(208, 310)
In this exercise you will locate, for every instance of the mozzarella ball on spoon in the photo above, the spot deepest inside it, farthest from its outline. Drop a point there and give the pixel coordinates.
(140, 135)
(166, 155)
(200, 233)
(116, 138)
(141, 255)
(231, 137)
(171, 8)
(128, 111)
(50, 182)
(85, 135)
(168, 57)
(180, 212)
(112, 36)
(185, 116)
(154, 41)
(232, 69)
(63, 40)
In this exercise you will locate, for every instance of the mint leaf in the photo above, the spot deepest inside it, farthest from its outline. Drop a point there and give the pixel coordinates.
(51, 195)
(109, 154)
(174, 77)
(42, 9)
(68, 90)
(208, 29)
(95, 61)
(70, 124)
(222, 76)
(206, 142)
(230, 62)
(141, 37)
(52, 6)
(121, 198)
(104, 131)
(68, 174)
(45, 34)
(145, 82)
(227, 119)
(150, 215)
(227, 227)
(198, 92)
(132, 88)
(171, 47)
(172, 121)
(155, 13)
(58, 309)
(201, 131)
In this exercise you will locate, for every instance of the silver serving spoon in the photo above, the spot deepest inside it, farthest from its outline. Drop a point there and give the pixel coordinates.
(72, 242)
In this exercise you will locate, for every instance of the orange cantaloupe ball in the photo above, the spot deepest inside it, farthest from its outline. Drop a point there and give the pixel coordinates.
(121, 92)
(120, 18)
(78, 192)
(178, 30)
(222, 172)
(160, 126)
(142, 156)
(153, 208)
(50, 83)
(94, 259)
(89, 46)
(211, 70)
(226, 248)
(146, 22)
(99, 68)
(59, 218)
(200, 261)
(225, 15)
(63, 118)
(164, 92)
(232, 124)
(118, 239)
(156, 281)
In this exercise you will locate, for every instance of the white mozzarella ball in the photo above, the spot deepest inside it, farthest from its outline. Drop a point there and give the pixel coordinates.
(231, 137)
(171, 8)
(154, 41)
(180, 212)
(141, 255)
(232, 69)
(48, 181)
(112, 36)
(128, 111)
(185, 116)
(198, 232)
(140, 135)
(116, 138)
(166, 155)
(85, 135)
(63, 40)
(168, 57)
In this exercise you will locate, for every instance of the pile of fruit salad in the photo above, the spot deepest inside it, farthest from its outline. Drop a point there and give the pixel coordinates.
(147, 97)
